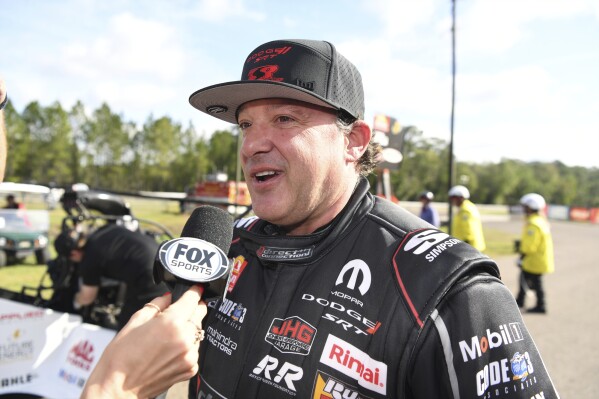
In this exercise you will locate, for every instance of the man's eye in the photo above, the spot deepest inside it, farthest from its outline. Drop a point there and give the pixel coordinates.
(285, 118)
(244, 125)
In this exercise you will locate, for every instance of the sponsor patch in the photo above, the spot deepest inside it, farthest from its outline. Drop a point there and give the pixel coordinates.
(81, 355)
(478, 346)
(231, 313)
(220, 341)
(326, 387)
(283, 254)
(351, 321)
(351, 361)
(17, 346)
(281, 376)
(506, 375)
(291, 335)
(354, 271)
(239, 264)
(430, 242)
(17, 379)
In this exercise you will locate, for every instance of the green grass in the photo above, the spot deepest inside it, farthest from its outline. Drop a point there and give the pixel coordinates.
(499, 243)
(14, 278)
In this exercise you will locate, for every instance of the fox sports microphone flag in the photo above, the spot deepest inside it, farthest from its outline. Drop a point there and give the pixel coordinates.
(200, 254)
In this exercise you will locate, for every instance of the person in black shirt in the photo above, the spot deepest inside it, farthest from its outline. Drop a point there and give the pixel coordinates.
(120, 254)
(11, 203)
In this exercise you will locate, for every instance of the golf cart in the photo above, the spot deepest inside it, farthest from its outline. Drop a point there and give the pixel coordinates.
(23, 233)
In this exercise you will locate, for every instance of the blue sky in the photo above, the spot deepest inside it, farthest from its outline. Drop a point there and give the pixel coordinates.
(527, 83)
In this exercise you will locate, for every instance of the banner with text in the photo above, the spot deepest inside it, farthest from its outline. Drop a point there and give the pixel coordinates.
(46, 353)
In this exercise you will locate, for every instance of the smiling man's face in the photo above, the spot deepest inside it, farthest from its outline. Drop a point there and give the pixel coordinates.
(295, 163)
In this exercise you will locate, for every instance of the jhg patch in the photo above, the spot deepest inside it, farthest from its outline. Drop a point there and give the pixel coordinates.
(291, 335)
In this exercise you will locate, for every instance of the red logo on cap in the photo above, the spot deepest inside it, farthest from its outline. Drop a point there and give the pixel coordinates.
(268, 53)
(265, 72)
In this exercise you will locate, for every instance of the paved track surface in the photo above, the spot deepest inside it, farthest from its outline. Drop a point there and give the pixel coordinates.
(567, 334)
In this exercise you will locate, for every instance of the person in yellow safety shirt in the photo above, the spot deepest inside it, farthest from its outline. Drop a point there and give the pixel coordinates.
(466, 224)
(536, 251)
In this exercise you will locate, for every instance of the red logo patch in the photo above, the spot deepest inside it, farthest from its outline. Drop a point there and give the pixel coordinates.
(291, 335)
(265, 72)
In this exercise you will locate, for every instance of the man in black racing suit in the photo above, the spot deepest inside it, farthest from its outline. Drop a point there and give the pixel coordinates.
(333, 293)
(376, 304)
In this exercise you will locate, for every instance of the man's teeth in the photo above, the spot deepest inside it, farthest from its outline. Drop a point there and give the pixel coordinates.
(263, 174)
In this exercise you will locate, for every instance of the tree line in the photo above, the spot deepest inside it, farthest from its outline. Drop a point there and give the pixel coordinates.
(52, 145)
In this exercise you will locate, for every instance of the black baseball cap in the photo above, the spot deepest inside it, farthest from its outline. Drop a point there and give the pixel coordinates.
(304, 70)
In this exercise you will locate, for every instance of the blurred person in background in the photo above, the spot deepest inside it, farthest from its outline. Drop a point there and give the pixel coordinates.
(11, 203)
(116, 253)
(427, 212)
(536, 251)
(466, 225)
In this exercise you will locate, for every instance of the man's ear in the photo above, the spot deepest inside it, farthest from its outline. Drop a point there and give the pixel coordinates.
(357, 140)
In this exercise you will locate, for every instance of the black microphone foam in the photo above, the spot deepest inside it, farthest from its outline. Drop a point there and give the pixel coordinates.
(210, 224)
(207, 223)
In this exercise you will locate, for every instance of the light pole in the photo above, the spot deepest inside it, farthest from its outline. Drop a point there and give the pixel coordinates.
(453, 68)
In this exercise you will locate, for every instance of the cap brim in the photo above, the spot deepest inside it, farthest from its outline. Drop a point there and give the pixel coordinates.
(223, 100)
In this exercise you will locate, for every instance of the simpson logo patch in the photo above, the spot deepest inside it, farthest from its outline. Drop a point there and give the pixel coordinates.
(432, 243)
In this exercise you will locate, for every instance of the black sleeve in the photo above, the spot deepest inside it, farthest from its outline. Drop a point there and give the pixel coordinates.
(475, 345)
(90, 268)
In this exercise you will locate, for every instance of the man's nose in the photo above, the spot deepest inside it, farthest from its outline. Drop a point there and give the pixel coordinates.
(258, 139)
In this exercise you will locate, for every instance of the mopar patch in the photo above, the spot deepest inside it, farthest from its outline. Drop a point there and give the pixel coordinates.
(273, 253)
(193, 259)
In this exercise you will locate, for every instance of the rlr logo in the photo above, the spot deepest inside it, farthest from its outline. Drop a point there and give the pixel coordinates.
(287, 372)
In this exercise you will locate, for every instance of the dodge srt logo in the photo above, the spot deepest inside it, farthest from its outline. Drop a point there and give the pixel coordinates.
(357, 267)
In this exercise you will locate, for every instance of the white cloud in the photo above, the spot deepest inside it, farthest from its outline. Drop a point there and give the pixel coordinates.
(520, 89)
(399, 17)
(220, 10)
(129, 46)
(496, 26)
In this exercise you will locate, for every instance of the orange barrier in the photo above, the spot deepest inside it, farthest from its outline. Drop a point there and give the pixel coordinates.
(580, 214)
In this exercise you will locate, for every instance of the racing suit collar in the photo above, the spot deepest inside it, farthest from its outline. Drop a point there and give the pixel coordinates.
(307, 248)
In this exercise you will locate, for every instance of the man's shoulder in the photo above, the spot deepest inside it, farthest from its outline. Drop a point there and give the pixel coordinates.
(396, 217)
(426, 261)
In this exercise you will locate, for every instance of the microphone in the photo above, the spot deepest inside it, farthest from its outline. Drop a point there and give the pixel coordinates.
(199, 255)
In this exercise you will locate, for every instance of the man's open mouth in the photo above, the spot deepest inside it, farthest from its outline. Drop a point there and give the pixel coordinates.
(265, 176)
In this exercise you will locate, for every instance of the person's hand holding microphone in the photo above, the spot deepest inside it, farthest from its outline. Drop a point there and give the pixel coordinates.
(159, 345)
